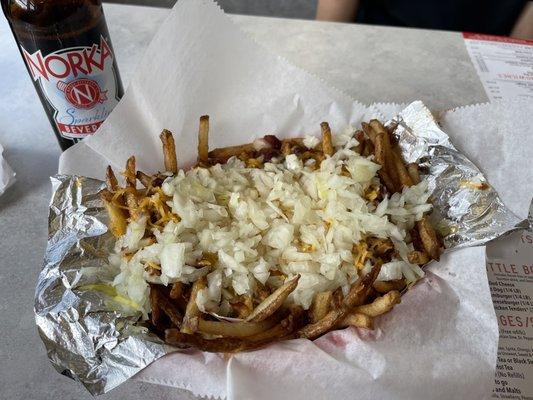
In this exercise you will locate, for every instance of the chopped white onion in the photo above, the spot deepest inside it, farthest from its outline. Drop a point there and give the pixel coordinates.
(288, 216)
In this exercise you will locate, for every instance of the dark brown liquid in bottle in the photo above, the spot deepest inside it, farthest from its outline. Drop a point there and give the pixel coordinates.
(51, 26)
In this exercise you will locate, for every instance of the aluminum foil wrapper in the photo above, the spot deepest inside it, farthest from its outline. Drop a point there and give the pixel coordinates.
(89, 340)
(467, 210)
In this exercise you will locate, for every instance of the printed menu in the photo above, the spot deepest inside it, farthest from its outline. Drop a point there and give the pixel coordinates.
(504, 65)
(510, 272)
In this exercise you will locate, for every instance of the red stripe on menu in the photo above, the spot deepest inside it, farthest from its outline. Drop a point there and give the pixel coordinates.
(493, 38)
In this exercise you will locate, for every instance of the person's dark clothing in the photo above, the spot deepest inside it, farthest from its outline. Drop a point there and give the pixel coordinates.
(495, 17)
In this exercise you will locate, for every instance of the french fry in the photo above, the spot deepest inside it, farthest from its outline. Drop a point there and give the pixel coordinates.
(357, 320)
(286, 148)
(178, 298)
(414, 173)
(337, 299)
(110, 179)
(383, 152)
(274, 148)
(272, 141)
(275, 333)
(369, 132)
(415, 239)
(234, 329)
(169, 151)
(157, 313)
(378, 127)
(379, 151)
(327, 145)
(316, 329)
(285, 327)
(321, 305)
(296, 142)
(385, 157)
(218, 345)
(223, 154)
(168, 308)
(380, 305)
(294, 145)
(172, 312)
(261, 292)
(368, 148)
(150, 181)
(132, 204)
(356, 296)
(429, 238)
(189, 323)
(131, 193)
(146, 180)
(380, 157)
(403, 175)
(361, 289)
(274, 301)
(176, 291)
(418, 257)
(117, 218)
(243, 305)
(385, 178)
(360, 137)
(129, 173)
(387, 286)
(203, 140)
(380, 247)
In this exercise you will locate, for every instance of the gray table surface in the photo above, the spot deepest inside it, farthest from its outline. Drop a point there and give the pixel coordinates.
(369, 63)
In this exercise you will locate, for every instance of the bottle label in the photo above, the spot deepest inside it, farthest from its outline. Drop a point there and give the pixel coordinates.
(79, 83)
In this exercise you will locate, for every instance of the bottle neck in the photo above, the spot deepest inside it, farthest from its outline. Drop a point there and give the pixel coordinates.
(59, 18)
